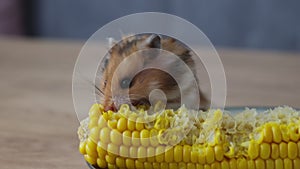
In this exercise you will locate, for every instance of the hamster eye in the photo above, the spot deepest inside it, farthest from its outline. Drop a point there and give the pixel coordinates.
(125, 83)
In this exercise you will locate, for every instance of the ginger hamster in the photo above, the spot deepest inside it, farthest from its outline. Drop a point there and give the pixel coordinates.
(144, 82)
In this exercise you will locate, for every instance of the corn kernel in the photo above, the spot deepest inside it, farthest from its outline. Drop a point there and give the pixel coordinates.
(265, 151)
(296, 162)
(210, 155)
(145, 141)
(139, 164)
(298, 144)
(153, 137)
(101, 149)
(122, 124)
(164, 165)
(101, 163)
(133, 152)
(90, 149)
(94, 134)
(287, 163)
(259, 163)
(293, 131)
(292, 150)
(173, 165)
(142, 152)
(150, 154)
(182, 165)
(216, 165)
(206, 166)
(283, 150)
(93, 122)
(186, 153)
(131, 124)
(112, 148)
(90, 159)
(194, 156)
(270, 164)
(148, 165)
(233, 163)
(219, 152)
(159, 154)
(112, 124)
(242, 163)
(190, 166)
(276, 133)
(156, 165)
(116, 137)
(127, 138)
(275, 151)
(111, 159)
(169, 154)
(178, 153)
(200, 166)
(135, 138)
(82, 147)
(120, 162)
(278, 163)
(95, 110)
(253, 150)
(251, 164)
(139, 125)
(202, 156)
(130, 163)
(284, 133)
(124, 151)
(105, 135)
(267, 131)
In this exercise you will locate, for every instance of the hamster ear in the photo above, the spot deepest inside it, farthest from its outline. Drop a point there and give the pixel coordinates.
(153, 41)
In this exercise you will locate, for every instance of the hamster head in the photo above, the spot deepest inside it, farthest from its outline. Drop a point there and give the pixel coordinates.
(123, 79)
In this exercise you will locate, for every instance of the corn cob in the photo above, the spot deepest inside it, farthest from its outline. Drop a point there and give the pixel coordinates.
(189, 139)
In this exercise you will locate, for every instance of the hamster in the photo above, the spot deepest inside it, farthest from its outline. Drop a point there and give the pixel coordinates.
(144, 82)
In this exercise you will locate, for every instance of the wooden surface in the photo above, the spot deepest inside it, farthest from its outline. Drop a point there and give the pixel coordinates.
(37, 121)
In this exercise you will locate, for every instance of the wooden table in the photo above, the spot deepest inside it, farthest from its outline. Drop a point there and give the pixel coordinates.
(37, 121)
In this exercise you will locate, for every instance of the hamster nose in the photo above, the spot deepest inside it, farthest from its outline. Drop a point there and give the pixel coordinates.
(111, 107)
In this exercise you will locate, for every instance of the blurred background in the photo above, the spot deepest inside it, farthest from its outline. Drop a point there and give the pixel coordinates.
(269, 24)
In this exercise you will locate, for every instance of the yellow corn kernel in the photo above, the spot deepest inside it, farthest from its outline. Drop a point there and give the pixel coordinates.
(259, 163)
(293, 131)
(242, 163)
(275, 151)
(150, 154)
(276, 133)
(116, 137)
(111, 166)
(190, 166)
(169, 154)
(127, 138)
(178, 153)
(102, 122)
(148, 165)
(194, 156)
(159, 154)
(278, 163)
(133, 152)
(135, 138)
(82, 147)
(122, 124)
(156, 165)
(200, 166)
(287, 163)
(89, 159)
(253, 150)
(292, 150)
(270, 164)
(186, 153)
(94, 134)
(112, 148)
(111, 159)
(173, 165)
(164, 165)
(284, 133)
(91, 148)
(202, 156)
(139, 125)
(139, 164)
(265, 151)
(233, 164)
(219, 152)
(124, 151)
(105, 135)
(101, 163)
(101, 149)
(131, 124)
(120, 162)
(216, 165)
(130, 163)
(112, 124)
(93, 122)
(141, 152)
(105, 116)
(182, 165)
(267, 132)
(251, 164)
(296, 162)
(144, 135)
(95, 110)
(225, 164)
(283, 150)
(153, 137)
(206, 166)
(210, 155)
